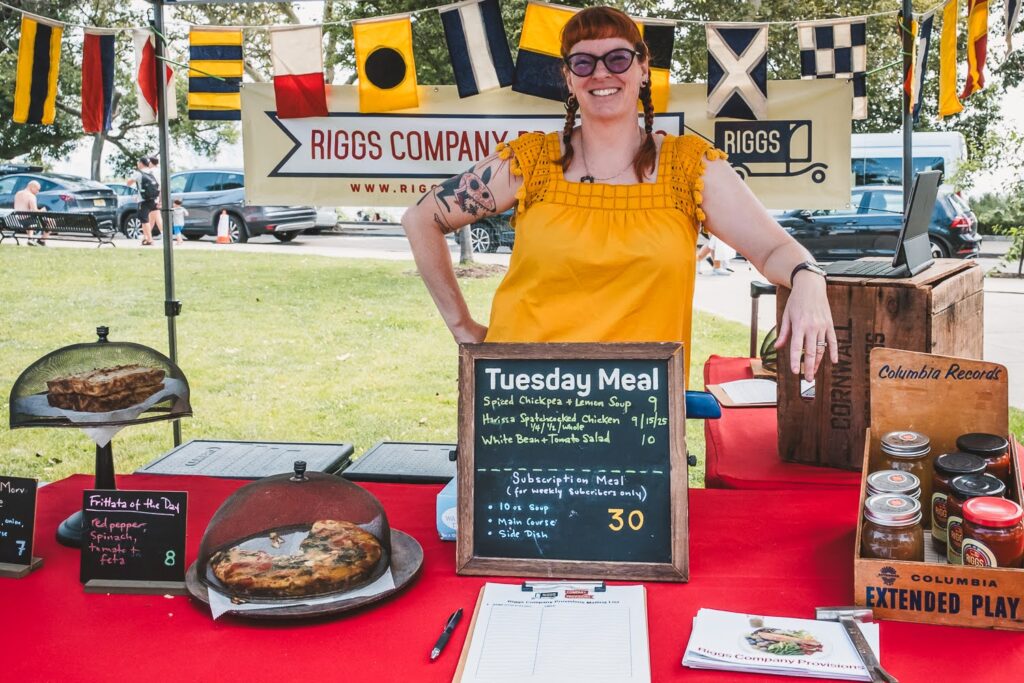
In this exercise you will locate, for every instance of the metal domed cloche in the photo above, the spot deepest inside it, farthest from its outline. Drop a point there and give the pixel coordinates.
(102, 384)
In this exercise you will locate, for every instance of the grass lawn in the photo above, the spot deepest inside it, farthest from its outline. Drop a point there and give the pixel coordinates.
(277, 348)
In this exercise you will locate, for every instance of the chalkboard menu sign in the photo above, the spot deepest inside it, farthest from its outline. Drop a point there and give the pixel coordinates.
(17, 520)
(133, 536)
(572, 461)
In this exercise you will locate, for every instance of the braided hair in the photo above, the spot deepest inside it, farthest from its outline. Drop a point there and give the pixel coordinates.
(571, 106)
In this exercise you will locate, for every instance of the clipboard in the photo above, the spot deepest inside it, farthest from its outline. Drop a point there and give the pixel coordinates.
(596, 588)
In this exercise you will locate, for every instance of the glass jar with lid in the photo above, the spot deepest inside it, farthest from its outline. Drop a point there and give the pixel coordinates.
(993, 533)
(894, 481)
(963, 489)
(993, 448)
(909, 451)
(892, 528)
(948, 466)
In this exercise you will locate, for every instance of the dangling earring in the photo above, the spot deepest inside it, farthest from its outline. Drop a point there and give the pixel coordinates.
(571, 103)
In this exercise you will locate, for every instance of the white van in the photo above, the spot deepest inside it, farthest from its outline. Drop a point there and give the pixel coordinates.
(877, 158)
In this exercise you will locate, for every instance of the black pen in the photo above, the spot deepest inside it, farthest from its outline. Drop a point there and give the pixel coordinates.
(453, 621)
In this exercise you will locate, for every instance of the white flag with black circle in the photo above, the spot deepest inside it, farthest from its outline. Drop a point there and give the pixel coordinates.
(738, 70)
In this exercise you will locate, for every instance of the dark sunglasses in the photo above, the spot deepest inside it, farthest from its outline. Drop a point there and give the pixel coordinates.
(617, 61)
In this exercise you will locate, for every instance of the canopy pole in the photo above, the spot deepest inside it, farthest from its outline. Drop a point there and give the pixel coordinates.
(908, 116)
(172, 307)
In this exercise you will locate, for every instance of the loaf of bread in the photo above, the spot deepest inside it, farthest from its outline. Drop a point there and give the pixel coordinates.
(105, 389)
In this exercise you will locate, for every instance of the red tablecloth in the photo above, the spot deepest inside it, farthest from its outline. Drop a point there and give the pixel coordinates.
(751, 551)
(741, 449)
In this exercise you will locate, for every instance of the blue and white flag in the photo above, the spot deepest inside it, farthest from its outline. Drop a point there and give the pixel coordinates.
(1012, 17)
(924, 41)
(738, 71)
(837, 48)
(478, 46)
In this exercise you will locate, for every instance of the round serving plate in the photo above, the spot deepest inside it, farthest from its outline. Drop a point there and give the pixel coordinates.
(406, 561)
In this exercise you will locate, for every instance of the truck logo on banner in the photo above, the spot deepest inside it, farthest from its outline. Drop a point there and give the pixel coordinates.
(795, 160)
(769, 149)
(434, 146)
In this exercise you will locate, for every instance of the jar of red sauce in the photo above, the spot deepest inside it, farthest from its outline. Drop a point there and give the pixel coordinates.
(892, 528)
(909, 452)
(993, 533)
(963, 489)
(948, 467)
(993, 448)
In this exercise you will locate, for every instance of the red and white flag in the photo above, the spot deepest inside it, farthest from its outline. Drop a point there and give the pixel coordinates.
(298, 71)
(145, 78)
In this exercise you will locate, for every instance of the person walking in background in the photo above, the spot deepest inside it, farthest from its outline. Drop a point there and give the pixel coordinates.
(25, 200)
(720, 254)
(149, 190)
(178, 214)
(156, 218)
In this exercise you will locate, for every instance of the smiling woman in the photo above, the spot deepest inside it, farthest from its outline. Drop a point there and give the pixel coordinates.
(607, 215)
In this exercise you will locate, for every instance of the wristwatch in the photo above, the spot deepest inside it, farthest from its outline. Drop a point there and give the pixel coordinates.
(806, 265)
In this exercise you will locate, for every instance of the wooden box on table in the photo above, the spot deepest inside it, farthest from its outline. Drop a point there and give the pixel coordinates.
(940, 311)
(953, 396)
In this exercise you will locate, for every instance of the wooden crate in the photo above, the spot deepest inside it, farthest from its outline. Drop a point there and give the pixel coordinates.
(937, 311)
(971, 398)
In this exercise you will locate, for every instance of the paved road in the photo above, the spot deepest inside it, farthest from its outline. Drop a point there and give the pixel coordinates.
(728, 297)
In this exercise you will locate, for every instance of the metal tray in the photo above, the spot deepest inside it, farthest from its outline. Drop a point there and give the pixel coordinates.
(406, 562)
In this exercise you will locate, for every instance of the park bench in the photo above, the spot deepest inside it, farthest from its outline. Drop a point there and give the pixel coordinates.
(71, 227)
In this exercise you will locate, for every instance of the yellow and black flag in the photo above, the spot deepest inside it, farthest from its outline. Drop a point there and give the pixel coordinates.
(660, 38)
(215, 73)
(35, 93)
(384, 61)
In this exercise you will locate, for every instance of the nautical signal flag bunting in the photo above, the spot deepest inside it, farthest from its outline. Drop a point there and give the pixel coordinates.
(385, 64)
(35, 92)
(477, 46)
(97, 80)
(146, 73)
(660, 37)
(215, 74)
(299, 88)
(539, 61)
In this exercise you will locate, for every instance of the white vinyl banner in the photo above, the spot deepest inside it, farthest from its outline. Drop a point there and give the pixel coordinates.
(797, 158)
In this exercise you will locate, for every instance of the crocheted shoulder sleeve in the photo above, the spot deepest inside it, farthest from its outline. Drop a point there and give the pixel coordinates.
(528, 158)
(688, 162)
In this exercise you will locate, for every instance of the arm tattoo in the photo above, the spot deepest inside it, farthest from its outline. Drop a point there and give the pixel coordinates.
(468, 191)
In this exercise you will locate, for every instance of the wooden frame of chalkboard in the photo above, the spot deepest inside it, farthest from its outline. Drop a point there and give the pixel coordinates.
(572, 461)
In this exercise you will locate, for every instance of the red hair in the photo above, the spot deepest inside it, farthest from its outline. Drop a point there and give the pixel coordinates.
(595, 23)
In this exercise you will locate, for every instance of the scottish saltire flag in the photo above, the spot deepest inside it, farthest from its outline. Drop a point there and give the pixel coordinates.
(977, 46)
(539, 61)
(949, 103)
(737, 71)
(1012, 17)
(35, 90)
(97, 80)
(660, 36)
(145, 78)
(920, 66)
(297, 55)
(477, 46)
(215, 73)
(837, 48)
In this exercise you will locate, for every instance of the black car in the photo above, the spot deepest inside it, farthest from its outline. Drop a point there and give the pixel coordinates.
(64, 193)
(492, 232)
(872, 223)
(127, 209)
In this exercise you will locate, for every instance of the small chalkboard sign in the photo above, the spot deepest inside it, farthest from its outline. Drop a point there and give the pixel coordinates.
(572, 461)
(17, 526)
(133, 541)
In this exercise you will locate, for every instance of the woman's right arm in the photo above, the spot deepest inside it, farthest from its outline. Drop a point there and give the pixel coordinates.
(486, 189)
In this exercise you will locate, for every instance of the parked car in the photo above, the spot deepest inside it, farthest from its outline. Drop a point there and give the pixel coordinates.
(492, 232)
(65, 193)
(127, 209)
(872, 224)
(326, 219)
(205, 193)
(9, 167)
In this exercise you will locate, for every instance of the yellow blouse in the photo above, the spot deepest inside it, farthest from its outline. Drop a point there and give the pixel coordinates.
(601, 263)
